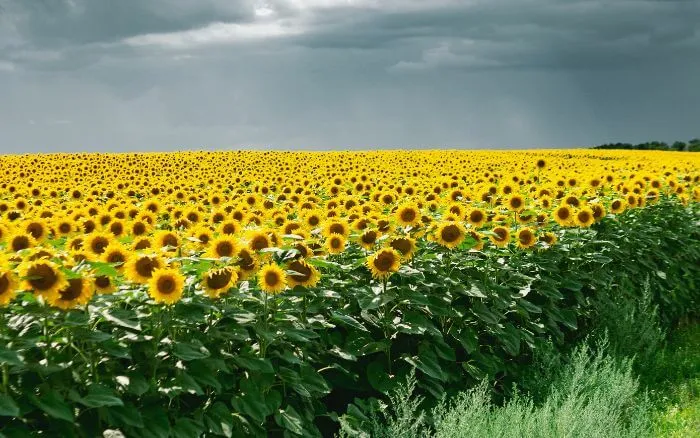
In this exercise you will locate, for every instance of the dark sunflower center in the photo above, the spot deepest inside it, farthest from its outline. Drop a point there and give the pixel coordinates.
(102, 282)
(170, 240)
(166, 285)
(218, 279)
(64, 227)
(19, 243)
(476, 216)
(584, 216)
(116, 228)
(408, 215)
(337, 229)
(384, 261)
(259, 242)
(36, 230)
(336, 243)
(246, 262)
(145, 266)
(99, 244)
(303, 272)
(501, 234)
(43, 277)
(272, 278)
(525, 237)
(142, 244)
(4, 284)
(563, 213)
(73, 291)
(516, 202)
(116, 257)
(401, 245)
(450, 233)
(229, 229)
(369, 237)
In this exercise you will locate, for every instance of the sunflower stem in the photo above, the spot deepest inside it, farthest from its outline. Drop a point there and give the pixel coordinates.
(387, 316)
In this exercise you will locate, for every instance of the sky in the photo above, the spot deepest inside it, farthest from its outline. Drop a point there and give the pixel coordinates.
(163, 75)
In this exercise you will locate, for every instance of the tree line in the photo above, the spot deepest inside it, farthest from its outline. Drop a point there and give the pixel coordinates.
(690, 146)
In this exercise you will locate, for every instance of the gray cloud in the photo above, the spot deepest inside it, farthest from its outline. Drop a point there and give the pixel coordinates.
(163, 75)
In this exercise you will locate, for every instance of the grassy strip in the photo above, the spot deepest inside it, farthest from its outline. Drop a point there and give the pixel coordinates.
(592, 393)
(673, 379)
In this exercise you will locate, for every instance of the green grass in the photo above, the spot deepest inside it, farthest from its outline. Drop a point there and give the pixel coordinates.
(673, 381)
(593, 393)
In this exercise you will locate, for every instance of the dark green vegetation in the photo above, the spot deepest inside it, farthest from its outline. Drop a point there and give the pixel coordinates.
(291, 364)
(591, 393)
(690, 146)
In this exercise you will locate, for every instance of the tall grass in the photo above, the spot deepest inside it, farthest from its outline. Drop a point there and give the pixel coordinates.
(595, 396)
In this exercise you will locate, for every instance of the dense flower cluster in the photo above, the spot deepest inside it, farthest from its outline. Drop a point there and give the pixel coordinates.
(75, 225)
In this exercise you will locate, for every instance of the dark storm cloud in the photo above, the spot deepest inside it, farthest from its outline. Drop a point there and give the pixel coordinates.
(172, 74)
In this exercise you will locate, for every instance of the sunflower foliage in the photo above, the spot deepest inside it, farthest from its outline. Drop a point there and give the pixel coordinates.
(181, 302)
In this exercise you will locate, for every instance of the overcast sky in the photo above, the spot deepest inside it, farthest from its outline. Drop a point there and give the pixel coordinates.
(147, 75)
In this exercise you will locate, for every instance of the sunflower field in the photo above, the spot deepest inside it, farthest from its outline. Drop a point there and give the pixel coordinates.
(268, 293)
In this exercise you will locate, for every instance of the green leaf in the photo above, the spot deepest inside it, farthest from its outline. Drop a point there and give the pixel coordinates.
(219, 420)
(252, 404)
(127, 415)
(312, 380)
(190, 351)
(347, 320)
(53, 405)
(155, 422)
(289, 419)
(255, 364)
(378, 376)
(186, 428)
(99, 397)
(102, 269)
(475, 292)
(10, 357)
(122, 318)
(428, 363)
(8, 407)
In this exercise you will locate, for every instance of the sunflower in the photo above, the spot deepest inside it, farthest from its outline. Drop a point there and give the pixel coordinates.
(549, 238)
(368, 239)
(104, 285)
(304, 274)
(617, 206)
(598, 211)
(526, 238)
(139, 268)
(404, 245)
(229, 227)
(76, 293)
(216, 282)
(96, 243)
(63, 226)
(167, 241)
(335, 244)
(43, 277)
(384, 262)
(476, 217)
(272, 279)
(8, 286)
(142, 243)
(166, 285)
(500, 236)
(408, 214)
(450, 234)
(222, 246)
(563, 215)
(515, 203)
(37, 229)
(116, 254)
(18, 241)
(247, 262)
(258, 240)
(584, 217)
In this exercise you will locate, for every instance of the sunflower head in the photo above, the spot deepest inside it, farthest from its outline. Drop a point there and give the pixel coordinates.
(104, 285)
(222, 246)
(8, 286)
(408, 215)
(140, 267)
(563, 215)
(384, 262)
(500, 236)
(216, 282)
(43, 277)
(368, 239)
(303, 274)
(450, 234)
(76, 293)
(526, 238)
(584, 217)
(272, 279)
(116, 254)
(476, 217)
(335, 243)
(166, 285)
(406, 246)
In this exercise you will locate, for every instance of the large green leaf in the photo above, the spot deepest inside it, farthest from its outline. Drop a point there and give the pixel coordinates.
(53, 405)
(289, 419)
(8, 407)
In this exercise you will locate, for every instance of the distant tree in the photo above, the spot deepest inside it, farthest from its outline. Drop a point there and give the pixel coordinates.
(694, 145)
(678, 146)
